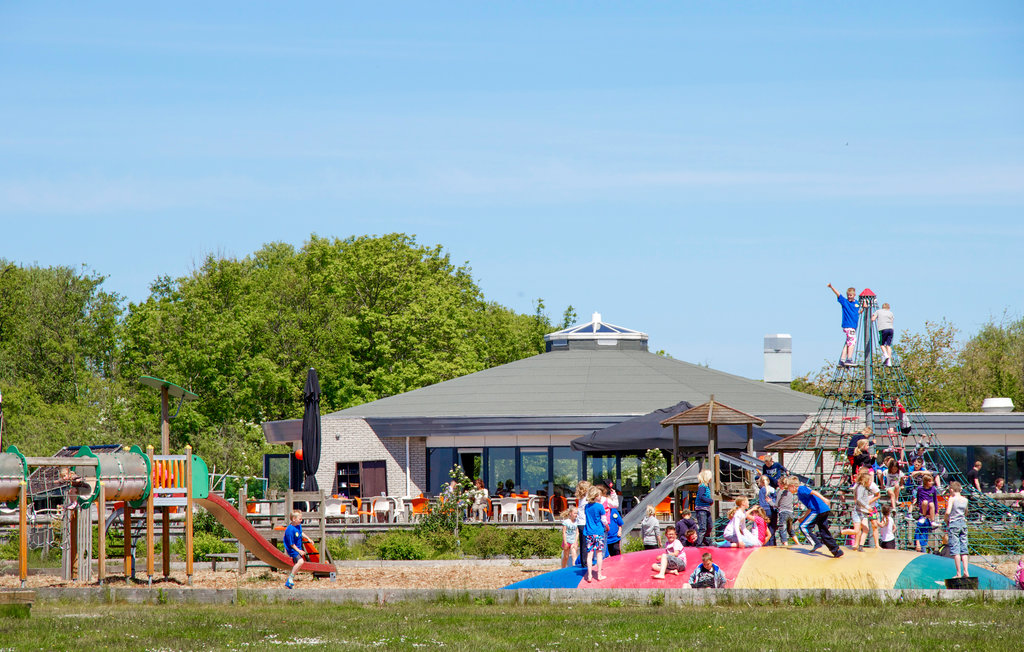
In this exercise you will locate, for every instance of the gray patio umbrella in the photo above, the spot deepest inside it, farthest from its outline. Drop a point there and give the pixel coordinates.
(311, 430)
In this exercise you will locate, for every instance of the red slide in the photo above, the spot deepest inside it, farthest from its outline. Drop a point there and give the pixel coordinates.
(242, 530)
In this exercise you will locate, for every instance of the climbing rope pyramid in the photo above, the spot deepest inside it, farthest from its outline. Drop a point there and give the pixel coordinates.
(876, 400)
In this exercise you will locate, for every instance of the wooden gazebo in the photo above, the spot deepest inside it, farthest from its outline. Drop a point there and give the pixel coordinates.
(712, 415)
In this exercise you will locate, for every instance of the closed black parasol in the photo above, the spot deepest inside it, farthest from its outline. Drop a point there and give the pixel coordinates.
(311, 431)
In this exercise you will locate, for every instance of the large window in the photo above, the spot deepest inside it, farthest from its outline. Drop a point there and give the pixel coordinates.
(600, 467)
(439, 463)
(277, 471)
(566, 469)
(501, 468)
(993, 463)
(629, 484)
(1014, 467)
(533, 465)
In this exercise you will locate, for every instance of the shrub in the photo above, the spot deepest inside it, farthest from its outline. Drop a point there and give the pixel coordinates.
(397, 544)
(485, 542)
(204, 521)
(203, 543)
(632, 544)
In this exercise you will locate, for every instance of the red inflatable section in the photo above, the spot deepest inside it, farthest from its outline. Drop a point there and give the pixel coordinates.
(634, 571)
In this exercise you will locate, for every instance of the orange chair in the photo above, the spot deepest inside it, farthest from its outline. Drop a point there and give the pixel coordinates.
(419, 507)
(360, 512)
(556, 505)
(664, 508)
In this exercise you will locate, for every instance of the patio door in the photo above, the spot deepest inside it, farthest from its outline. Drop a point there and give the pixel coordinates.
(374, 478)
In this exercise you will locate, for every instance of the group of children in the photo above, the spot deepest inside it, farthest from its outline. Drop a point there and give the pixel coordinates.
(591, 528)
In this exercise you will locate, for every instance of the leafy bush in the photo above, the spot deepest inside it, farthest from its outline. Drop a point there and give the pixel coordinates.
(398, 544)
(203, 543)
(485, 541)
(204, 521)
(489, 541)
(632, 544)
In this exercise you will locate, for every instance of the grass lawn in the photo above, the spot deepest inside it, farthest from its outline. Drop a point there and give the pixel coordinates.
(844, 626)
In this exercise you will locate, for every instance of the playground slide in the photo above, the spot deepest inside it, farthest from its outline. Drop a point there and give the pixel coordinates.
(242, 530)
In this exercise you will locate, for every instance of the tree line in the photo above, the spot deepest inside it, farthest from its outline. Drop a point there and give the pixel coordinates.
(948, 376)
(375, 315)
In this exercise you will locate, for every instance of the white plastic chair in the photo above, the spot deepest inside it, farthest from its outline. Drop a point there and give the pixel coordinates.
(509, 507)
(381, 506)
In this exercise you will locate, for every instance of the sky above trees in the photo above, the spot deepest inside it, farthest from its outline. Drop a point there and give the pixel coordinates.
(695, 171)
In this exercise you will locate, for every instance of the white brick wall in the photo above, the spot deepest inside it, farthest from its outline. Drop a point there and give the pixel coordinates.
(352, 440)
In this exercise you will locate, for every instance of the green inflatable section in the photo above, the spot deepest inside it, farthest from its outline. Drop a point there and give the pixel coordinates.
(931, 571)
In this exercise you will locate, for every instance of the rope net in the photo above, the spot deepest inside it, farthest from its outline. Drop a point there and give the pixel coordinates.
(874, 399)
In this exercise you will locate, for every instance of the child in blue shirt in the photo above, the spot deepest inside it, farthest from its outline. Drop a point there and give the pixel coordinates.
(707, 575)
(817, 515)
(614, 523)
(594, 534)
(702, 504)
(293, 546)
(851, 314)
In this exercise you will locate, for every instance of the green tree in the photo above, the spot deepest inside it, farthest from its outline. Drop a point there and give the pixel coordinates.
(992, 363)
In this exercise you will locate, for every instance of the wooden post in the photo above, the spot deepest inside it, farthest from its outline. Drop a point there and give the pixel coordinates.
(750, 450)
(73, 548)
(675, 462)
(243, 498)
(129, 570)
(101, 540)
(149, 524)
(323, 525)
(23, 533)
(188, 514)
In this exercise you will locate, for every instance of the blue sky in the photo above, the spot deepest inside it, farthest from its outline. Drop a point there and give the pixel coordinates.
(698, 171)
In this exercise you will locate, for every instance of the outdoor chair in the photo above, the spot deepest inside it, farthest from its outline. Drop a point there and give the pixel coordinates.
(510, 508)
(382, 507)
(360, 512)
(419, 507)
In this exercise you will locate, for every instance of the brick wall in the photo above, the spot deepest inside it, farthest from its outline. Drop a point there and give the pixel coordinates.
(352, 440)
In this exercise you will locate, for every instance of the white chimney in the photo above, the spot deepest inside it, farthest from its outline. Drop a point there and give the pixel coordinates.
(778, 359)
(997, 405)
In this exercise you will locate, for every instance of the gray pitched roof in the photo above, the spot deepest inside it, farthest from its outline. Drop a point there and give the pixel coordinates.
(585, 382)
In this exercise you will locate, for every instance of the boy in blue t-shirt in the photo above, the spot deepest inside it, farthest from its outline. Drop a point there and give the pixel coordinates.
(818, 512)
(851, 314)
(613, 536)
(293, 546)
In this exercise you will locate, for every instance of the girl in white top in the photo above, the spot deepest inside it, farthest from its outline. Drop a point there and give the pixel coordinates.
(570, 536)
(736, 533)
(887, 529)
(892, 480)
(865, 495)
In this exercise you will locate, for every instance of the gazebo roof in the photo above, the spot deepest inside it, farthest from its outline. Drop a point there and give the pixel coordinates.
(712, 413)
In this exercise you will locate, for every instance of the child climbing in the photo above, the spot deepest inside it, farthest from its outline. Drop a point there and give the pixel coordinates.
(883, 317)
(851, 312)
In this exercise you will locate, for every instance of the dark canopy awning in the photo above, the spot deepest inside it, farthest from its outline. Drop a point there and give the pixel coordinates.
(646, 431)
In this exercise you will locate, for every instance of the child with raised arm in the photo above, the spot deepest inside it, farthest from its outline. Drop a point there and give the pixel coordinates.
(851, 312)
(818, 512)
(672, 559)
(708, 575)
(570, 536)
(884, 318)
(293, 546)
(956, 518)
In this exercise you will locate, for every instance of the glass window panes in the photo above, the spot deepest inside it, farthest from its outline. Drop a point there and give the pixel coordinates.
(1014, 467)
(501, 468)
(566, 469)
(439, 464)
(993, 464)
(533, 468)
(600, 467)
(277, 469)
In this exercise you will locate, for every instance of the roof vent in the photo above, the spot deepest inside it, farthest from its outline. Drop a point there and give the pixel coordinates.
(997, 405)
(596, 333)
